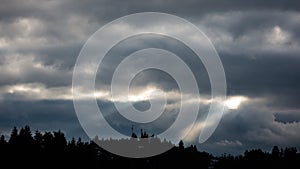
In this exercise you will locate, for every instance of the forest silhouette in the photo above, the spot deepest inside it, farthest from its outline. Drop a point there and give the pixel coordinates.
(53, 150)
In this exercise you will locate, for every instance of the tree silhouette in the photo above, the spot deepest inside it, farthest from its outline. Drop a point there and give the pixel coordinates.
(181, 145)
(59, 140)
(275, 152)
(25, 137)
(48, 141)
(38, 139)
(2, 141)
(52, 150)
(13, 136)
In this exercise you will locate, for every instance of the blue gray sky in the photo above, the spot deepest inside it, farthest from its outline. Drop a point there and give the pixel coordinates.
(257, 41)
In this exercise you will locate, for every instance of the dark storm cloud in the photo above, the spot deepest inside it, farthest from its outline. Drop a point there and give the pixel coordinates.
(236, 24)
(251, 126)
(163, 79)
(258, 42)
(240, 23)
(108, 9)
(273, 76)
(64, 57)
(43, 115)
(288, 117)
(24, 69)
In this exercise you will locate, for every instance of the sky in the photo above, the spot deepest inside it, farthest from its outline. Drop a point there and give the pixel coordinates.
(257, 41)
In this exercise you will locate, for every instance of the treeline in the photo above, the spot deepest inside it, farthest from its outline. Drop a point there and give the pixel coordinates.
(53, 150)
(277, 159)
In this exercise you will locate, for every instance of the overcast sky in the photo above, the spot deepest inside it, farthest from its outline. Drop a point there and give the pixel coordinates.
(257, 41)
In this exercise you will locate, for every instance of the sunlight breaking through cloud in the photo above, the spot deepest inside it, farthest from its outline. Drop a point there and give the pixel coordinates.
(235, 101)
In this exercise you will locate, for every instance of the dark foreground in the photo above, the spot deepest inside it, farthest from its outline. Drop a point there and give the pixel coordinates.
(52, 150)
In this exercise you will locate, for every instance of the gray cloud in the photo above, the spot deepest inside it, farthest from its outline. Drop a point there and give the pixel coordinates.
(258, 43)
(251, 126)
(42, 115)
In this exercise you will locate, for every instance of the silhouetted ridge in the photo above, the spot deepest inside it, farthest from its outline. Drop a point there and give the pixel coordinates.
(135, 146)
(52, 150)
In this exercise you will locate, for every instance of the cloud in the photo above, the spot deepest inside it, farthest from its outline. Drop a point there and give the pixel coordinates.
(229, 143)
(34, 91)
(20, 68)
(44, 115)
(234, 102)
(255, 126)
(258, 43)
(287, 116)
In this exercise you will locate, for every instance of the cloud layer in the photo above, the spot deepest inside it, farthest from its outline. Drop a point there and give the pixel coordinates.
(258, 43)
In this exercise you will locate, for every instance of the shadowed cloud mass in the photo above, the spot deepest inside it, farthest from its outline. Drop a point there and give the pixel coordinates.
(257, 41)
